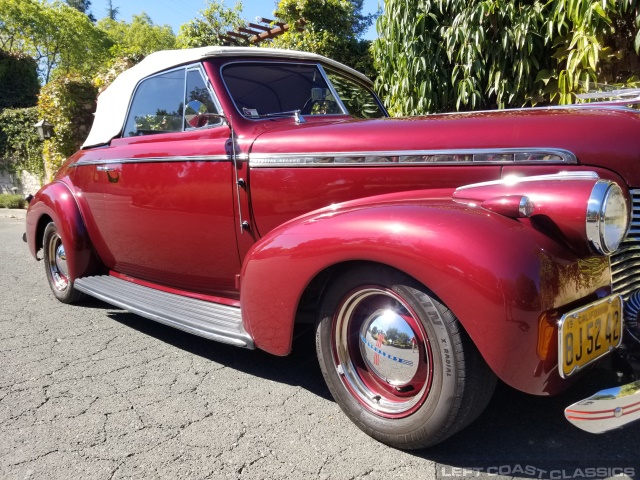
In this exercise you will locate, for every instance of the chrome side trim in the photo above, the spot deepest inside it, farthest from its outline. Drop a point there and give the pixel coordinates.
(481, 156)
(536, 178)
(606, 410)
(195, 158)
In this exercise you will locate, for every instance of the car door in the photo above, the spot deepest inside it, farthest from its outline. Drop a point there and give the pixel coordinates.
(169, 201)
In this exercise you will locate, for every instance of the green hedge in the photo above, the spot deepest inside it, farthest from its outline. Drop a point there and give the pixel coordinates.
(20, 146)
(12, 201)
(19, 86)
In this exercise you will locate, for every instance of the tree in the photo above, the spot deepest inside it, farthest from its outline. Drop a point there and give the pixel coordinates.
(214, 20)
(112, 12)
(82, 6)
(403, 339)
(392, 334)
(439, 55)
(138, 38)
(333, 28)
(19, 86)
(58, 37)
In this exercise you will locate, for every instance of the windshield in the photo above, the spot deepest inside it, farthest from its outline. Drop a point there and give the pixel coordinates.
(269, 89)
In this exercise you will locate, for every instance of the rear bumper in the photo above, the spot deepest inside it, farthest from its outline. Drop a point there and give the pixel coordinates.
(606, 410)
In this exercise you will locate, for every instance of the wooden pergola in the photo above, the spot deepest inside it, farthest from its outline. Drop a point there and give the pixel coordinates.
(254, 33)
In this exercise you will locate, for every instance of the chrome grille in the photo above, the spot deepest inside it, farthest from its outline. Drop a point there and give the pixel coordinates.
(625, 263)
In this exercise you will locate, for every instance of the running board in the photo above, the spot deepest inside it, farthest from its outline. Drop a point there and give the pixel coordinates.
(214, 321)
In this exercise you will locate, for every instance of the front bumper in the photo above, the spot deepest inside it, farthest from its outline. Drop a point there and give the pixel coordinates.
(606, 410)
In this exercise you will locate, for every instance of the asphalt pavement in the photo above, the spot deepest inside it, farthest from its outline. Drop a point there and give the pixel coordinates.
(94, 392)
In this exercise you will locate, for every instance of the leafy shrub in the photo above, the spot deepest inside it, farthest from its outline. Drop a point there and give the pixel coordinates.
(19, 84)
(11, 201)
(68, 103)
(20, 146)
(442, 55)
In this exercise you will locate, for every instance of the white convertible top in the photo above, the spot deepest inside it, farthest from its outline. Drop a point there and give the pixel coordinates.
(114, 101)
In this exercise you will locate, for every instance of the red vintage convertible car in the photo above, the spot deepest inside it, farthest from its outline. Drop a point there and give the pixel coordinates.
(232, 192)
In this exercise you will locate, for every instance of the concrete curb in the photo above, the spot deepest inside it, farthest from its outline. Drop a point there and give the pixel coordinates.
(18, 213)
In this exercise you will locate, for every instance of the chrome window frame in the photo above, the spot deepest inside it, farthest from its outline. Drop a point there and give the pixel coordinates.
(334, 92)
(359, 83)
(198, 67)
(271, 62)
(186, 68)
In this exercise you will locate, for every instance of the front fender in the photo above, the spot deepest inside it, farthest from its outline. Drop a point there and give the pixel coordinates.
(57, 202)
(496, 274)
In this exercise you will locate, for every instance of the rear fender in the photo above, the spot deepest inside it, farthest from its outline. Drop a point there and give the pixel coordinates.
(496, 274)
(56, 201)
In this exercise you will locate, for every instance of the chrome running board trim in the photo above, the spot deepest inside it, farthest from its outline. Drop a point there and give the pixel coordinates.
(214, 321)
(606, 410)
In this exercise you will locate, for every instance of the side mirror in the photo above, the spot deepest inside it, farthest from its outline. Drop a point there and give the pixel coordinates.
(197, 116)
(194, 114)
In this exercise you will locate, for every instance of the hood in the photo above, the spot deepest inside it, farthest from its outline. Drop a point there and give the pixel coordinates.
(606, 137)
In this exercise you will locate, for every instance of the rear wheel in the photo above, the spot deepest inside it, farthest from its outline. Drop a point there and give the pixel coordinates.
(397, 361)
(55, 264)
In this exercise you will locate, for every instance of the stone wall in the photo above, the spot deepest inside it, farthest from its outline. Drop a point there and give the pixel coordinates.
(26, 183)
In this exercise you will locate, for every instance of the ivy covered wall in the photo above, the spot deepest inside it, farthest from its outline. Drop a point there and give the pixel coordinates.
(68, 103)
(20, 146)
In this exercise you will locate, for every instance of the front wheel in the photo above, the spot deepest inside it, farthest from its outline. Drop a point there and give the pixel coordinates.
(55, 264)
(397, 361)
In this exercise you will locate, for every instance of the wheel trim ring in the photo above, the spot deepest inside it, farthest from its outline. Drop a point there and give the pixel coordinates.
(59, 279)
(365, 385)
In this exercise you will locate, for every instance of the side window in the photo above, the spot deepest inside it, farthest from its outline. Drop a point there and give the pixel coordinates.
(360, 102)
(199, 103)
(157, 105)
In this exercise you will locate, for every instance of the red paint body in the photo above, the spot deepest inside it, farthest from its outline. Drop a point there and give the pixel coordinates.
(56, 202)
(175, 222)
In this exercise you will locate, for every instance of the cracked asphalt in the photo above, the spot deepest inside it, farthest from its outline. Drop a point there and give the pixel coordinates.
(94, 392)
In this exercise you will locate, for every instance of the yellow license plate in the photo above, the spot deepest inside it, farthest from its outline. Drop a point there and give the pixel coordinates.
(587, 333)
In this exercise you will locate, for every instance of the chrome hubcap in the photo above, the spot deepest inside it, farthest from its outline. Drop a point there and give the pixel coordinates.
(61, 260)
(57, 263)
(381, 352)
(392, 362)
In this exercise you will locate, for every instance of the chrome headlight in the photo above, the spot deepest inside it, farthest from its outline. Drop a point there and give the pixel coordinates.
(607, 217)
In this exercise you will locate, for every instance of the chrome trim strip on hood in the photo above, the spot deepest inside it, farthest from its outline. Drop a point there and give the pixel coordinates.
(480, 156)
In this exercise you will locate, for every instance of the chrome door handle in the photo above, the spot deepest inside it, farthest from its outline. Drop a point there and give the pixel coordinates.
(109, 169)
